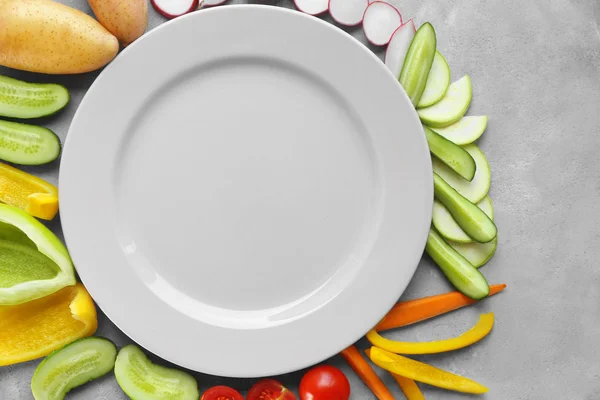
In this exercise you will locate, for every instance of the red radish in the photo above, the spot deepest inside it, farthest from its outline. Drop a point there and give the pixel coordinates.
(348, 12)
(398, 47)
(174, 8)
(312, 7)
(210, 3)
(380, 22)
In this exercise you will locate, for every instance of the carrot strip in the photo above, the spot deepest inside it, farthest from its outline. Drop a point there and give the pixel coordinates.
(366, 373)
(408, 386)
(411, 311)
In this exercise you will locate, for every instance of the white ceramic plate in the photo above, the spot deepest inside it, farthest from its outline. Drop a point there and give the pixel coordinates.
(246, 191)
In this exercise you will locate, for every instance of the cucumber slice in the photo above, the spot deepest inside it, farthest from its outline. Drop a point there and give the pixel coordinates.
(141, 379)
(477, 254)
(73, 365)
(417, 63)
(465, 131)
(447, 226)
(466, 278)
(469, 217)
(19, 99)
(451, 108)
(27, 144)
(437, 82)
(475, 190)
(451, 154)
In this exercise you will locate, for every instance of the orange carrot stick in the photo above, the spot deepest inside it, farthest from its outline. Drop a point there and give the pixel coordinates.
(366, 373)
(408, 386)
(411, 311)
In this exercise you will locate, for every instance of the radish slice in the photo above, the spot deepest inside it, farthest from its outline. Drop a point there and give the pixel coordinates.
(174, 8)
(398, 47)
(380, 22)
(312, 7)
(348, 12)
(210, 3)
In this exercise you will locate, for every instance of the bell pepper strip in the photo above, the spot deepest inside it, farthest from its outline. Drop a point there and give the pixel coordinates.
(412, 311)
(424, 373)
(35, 329)
(366, 373)
(473, 335)
(27, 192)
(408, 386)
(24, 237)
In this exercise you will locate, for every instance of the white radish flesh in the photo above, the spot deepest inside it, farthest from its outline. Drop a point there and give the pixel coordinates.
(312, 7)
(174, 8)
(398, 47)
(211, 3)
(380, 22)
(348, 12)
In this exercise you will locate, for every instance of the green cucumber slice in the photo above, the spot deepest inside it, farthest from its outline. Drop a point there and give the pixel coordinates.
(21, 264)
(417, 63)
(450, 154)
(27, 144)
(19, 99)
(447, 226)
(142, 380)
(437, 82)
(469, 217)
(466, 278)
(451, 108)
(73, 365)
(465, 131)
(475, 190)
(478, 254)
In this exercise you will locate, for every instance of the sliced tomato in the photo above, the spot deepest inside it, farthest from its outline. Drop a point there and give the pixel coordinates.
(324, 383)
(269, 389)
(222, 393)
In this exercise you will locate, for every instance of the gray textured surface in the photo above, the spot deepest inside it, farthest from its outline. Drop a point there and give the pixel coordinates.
(535, 67)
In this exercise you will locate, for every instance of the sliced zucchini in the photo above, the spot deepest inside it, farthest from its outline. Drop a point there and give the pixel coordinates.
(450, 154)
(465, 131)
(478, 254)
(447, 226)
(437, 82)
(417, 63)
(19, 99)
(451, 108)
(475, 190)
(27, 144)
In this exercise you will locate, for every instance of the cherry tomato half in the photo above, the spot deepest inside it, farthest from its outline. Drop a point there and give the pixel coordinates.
(269, 389)
(324, 383)
(222, 393)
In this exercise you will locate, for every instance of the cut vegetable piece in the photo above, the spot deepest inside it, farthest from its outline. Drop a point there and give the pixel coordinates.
(398, 47)
(72, 366)
(269, 389)
(348, 12)
(450, 154)
(451, 108)
(475, 190)
(425, 373)
(417, 63)
(465, 131)
(438, 82)
(408, 386)
(26, 275)
(366, 373)
(141, 379)
(211, 3)
(36, 328)
(447, 226)
(469, 217)
(27, 144)
(417, 310)
(477, 254)
(19, 99)
(222, 393)
(312, 7)
(380, 22)
(174, 8)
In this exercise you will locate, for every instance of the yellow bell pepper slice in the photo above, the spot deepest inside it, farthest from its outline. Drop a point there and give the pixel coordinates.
(36, 328)
(409, 388)
(27, 192)
(473, 335)
(422, 372)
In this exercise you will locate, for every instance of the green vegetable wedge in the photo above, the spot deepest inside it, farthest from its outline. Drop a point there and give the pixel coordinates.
(19, 99)
(437, 82)
(73, 365)
(450, 154)
(27, 144)
(465, 131)
(417, 63)
(451, 108)
(477, 254)
(447, 226)
(142, 380)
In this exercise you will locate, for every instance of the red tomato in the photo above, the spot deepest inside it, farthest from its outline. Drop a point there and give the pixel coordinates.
(324, 383)
(269, 389)
(221, 393)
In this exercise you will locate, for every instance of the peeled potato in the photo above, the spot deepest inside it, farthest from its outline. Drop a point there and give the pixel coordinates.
(126, 19)
(49, 37)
